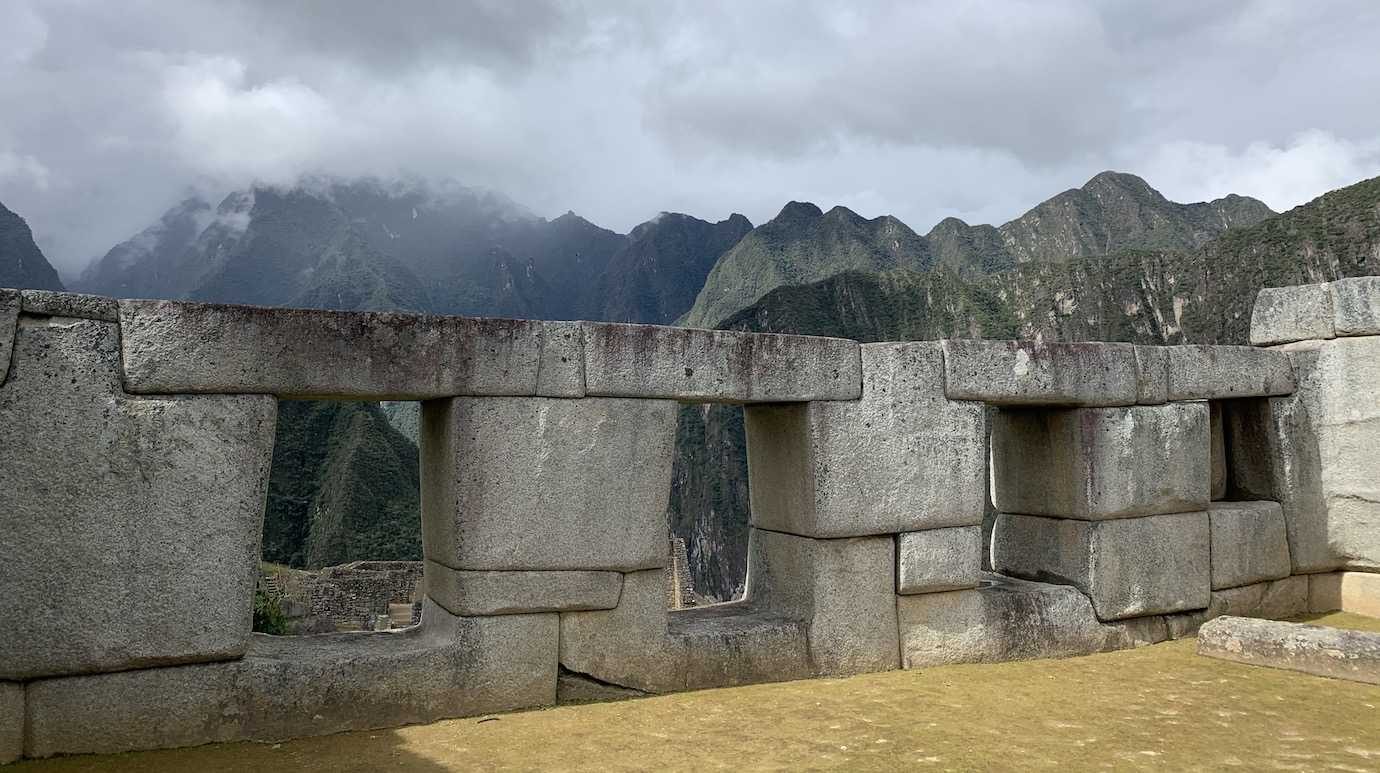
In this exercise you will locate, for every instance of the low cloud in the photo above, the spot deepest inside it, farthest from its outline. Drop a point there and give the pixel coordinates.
(618, 111)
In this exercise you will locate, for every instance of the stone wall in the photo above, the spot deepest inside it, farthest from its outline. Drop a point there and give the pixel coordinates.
(1139, 491)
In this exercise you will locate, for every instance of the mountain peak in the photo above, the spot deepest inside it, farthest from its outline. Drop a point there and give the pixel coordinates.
(21, 262)
(799, 210)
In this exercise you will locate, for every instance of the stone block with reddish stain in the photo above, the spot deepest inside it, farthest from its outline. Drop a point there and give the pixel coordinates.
(718, 365)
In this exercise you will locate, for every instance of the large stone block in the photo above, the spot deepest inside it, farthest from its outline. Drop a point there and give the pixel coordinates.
(11, 721)
(1128, 567)
(1285, 314)
(1273, 600)
(1152, 368)
(9, 320)
(311, 353)
(1249, 543)
(1218, 372)
(737, 643)
(1331, 652)
(938, 559)
(1036, 373)
(718, 365)
(1096, 463)
(1010, 619)
(509, 593)
(1317, 452)
(294, 686)
(1357, 592)
(902, 458)
(1217, 451)
(535, 483)
(51, 303)
(1356, 306)
(843, 588)
(131, 525)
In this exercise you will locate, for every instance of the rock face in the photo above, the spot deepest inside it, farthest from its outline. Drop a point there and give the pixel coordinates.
(902, 458)
(1100, 463)
(11, 721)
(148, 531)
(294, 686)
(1312, 649)
(21, 262)
(1128, 567)
(590, 495)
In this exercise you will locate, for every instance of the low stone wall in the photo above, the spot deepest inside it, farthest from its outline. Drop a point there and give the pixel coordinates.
(349, 597)
(1140, 491)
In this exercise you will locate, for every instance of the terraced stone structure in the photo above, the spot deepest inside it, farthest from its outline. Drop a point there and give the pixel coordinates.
(1139, 491)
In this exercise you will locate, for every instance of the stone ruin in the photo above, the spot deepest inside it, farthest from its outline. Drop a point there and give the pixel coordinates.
(1138, 492)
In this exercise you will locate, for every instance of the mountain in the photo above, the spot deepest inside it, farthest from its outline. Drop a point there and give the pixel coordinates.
(655, 276)
(800, 245)
(22, 264)
(150, 264)
(1111, 212)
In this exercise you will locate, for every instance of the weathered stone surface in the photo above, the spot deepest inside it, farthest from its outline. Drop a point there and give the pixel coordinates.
(1357, 592)
(51, 303)
(1321, 455)
(1285, 314)
(1097, 463)
(1035, 373)
(902, 458)
(1152, 375)
(642, 646)
(843, 588)
(561, 369)
(1217, 451)
(1356, 306)
(1249, 543)
(302, 353)
(535, 483)
(132, 523)
(1332, 652)
(938, 559)
(1273, 600)
(293, 686)
(508, 593)
(1010, 619)
(1129, 567)
(11, 721)
(9, 320)
(1217, 372)
(718, 365)
(630, 645)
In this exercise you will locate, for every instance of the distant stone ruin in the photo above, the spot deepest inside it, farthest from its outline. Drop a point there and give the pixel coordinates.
(1136, 492)
(358, 596)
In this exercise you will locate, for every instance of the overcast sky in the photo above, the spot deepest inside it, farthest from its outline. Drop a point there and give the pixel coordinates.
(111, 111)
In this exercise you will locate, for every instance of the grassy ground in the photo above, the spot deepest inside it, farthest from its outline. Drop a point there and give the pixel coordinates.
(1159, 707)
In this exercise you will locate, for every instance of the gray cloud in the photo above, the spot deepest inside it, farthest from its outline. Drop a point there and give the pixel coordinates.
(618, 110)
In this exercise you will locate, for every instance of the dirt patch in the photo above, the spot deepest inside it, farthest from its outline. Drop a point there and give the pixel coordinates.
(1159, 707)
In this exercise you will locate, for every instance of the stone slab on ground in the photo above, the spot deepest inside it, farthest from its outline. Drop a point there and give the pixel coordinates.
(11, 721)
(1129, 567)
(293, 686)
(1152, 374)
(1337, 653)
(843, 588)
(1202, 372)
(1356, 306)
(9, 322)
(1035, 373)
(1010, 619)
(535, 483)
(1098, 463)
(938, 560)
(718, 365)
(131, 524)
(1250, 543)
(172, 347)
(1286, 314)
(1273, 600)
(52, 303)
(1356, 592)
(902, 458)
(510, 593)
